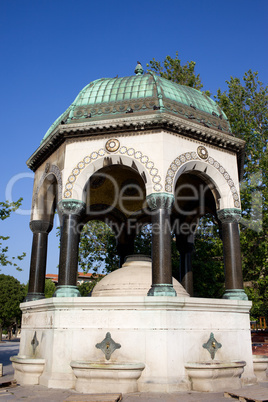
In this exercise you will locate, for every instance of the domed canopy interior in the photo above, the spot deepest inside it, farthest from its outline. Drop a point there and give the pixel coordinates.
(109, 97)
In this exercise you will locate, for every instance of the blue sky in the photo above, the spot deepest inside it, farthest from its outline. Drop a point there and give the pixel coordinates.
(50, 49)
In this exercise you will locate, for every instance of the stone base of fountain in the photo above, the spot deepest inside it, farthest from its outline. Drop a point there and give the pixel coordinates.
(96, 377)
(162, 332)
(260, 365)
(27, 369)
(215, 376)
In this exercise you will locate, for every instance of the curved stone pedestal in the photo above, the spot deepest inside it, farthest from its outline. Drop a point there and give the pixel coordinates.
(215, 376)
(260, 366)
(27, 369)
(97, 377)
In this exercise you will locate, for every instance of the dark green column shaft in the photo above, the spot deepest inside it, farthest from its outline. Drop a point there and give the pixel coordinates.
(37, 276)
(71, 212)
(161, 248)
(69, 244)
(232, 254)
(160, 205)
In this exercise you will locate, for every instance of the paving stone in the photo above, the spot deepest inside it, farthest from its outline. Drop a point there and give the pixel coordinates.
(255, 394)
(94, 398)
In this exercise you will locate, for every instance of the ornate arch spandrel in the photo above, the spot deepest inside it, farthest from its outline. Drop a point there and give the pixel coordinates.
(130, 152)
(186, 157)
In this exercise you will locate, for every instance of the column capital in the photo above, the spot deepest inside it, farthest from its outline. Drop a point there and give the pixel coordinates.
(71, 207)
(39, 226)
(229, 215)
(160, 201)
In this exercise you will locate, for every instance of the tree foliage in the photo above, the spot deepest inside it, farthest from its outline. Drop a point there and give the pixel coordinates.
(246, 105)
(207, 261)
(86, 287)
(50, 288)
(97, 248)
(143, 241)
(12, 294)
(174, 70)
(6, 208)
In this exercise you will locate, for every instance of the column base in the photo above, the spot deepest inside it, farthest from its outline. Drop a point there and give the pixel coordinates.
(67, 291)
(235, 294)
(162, 290)
(34, 296)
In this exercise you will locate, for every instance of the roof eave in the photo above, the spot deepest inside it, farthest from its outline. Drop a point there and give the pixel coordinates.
(146, 121)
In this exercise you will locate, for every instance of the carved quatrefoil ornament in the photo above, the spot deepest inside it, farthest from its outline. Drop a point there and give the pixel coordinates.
(202, 152)
(112, 145)
(108, 346)
(212, 346)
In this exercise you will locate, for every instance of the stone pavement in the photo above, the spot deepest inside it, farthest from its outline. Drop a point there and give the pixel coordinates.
(39, 393)
(10, 391)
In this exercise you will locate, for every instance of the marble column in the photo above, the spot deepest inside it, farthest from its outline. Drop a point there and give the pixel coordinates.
(160, 205)
(234, 288)
(40, 231)
(72, 212)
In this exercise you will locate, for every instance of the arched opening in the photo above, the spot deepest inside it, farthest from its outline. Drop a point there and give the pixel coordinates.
(194, 219)
(45, 200)
(115, 198)
(116, 192)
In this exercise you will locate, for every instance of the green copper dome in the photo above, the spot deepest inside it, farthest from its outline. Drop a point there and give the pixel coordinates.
(106, 98)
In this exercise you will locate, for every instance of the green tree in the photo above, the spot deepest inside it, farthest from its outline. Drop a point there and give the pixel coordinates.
(246, 106)
(6, 208)
(143, 241)
(174, 70)
(86, 287)
(50, 288)
(207, 264)
(97, 248)
(12, 293)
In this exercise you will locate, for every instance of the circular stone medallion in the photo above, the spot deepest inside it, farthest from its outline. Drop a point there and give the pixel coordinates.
(112, 145)
(202, 152)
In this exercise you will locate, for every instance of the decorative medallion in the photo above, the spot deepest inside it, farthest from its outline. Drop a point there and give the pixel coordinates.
(112, 145)
(212, 346)
(202, 152)
(108, 346)
(131, 151)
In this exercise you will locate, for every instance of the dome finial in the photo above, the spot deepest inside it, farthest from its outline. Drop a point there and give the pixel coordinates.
(138, 69)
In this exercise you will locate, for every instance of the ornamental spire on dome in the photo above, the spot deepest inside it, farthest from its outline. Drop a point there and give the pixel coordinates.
(138, 69)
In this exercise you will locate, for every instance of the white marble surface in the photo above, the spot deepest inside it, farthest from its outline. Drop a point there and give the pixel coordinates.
(162, 332)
